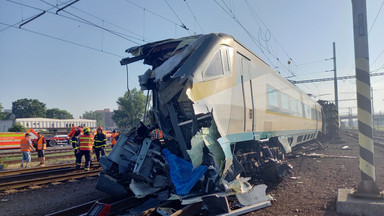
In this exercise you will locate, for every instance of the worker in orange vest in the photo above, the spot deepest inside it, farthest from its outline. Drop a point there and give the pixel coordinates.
(85, 148)
(25, 148)
(156, 134)
(115, 137)
(41, 146)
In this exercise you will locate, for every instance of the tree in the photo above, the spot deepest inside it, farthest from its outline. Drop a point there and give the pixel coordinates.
(56, 113)
(29, 108)
(17, 127)
(131, 109)
(3, 115)
(99, 117)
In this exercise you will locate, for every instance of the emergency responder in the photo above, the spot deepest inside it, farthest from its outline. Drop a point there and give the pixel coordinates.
(25, 148)
(41, 145)
(100, 142)
(115, 137)
(85, 148)
(75, 144)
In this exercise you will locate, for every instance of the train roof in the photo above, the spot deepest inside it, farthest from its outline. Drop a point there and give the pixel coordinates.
(179, 57)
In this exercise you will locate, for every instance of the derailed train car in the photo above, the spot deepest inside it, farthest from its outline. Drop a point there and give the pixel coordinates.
(223, 114)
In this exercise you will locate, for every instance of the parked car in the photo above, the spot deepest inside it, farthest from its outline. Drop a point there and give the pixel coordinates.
(58, 140)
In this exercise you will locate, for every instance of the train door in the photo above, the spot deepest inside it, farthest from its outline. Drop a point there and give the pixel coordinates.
(247, 94)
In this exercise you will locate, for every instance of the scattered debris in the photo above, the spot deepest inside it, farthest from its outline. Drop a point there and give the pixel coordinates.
(346, 148)
(316, 155)
(295, 178)
(203, 156)
(320, 144)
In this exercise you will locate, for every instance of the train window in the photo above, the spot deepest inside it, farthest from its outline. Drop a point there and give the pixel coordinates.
(313, 112)
(220, 64)
(284, 101)
(300, 138)
(215, 67)
(300, 108)
(307, 111)
(227, 57)
(292, 103)
(273, 100)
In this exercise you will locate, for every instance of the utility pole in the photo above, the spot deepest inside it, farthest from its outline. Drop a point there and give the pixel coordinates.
(367, 185)
(335, 78)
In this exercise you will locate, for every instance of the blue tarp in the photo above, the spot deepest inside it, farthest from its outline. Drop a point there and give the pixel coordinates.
(183, 176)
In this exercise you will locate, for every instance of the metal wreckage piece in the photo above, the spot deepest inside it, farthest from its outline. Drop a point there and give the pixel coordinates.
(193, 157)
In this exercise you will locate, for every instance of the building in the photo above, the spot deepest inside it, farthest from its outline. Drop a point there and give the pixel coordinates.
(108, 122)
(54, 124)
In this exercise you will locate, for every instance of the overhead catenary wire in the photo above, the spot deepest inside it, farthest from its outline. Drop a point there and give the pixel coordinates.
(258, 44)
(63, 40)
(256, 41)
(374, 21)
(121, 35)
(95, 25)
(33, 18)
(194, 17)
(312, 62)
(257, 19)
(156, 14)
(60, 9)
(22, 20)
(374, 62)
(112, 24)
(177, 16)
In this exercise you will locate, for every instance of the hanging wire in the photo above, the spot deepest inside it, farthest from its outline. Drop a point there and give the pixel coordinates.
(126, 67)
(174, 12)
(63, 40)
(194, 17)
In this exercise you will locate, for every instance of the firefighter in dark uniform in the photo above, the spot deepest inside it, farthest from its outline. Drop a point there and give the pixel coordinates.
(100, 142)
(75, 144)
(85, 147)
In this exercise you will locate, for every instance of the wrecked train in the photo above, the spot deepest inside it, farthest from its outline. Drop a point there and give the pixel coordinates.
(223, 112)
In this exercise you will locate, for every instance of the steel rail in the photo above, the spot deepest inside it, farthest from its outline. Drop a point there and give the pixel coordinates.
(46, 150)
(81, 208)
(49, 179)
(33, 169)
(117, 206)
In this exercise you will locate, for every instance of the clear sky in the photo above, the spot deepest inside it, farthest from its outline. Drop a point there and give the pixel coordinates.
(71, 60)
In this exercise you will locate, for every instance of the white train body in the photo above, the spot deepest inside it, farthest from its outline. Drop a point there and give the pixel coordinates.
(248, 99)
(220, 108)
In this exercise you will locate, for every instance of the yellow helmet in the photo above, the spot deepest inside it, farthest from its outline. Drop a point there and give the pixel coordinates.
(86, 130)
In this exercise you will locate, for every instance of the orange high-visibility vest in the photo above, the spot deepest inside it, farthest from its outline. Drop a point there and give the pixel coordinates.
(24, 145)
(40, 144)
(158, 134)
(113, 138)
(86, 142)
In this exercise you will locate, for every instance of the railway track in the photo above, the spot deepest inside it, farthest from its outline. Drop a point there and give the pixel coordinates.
(51, 155)
(34, 158)
(40, 176)
(48, 151)
(33, 169)
(118, 207)
(378, 139)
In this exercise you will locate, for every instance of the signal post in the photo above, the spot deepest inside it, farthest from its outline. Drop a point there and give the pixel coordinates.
(366, 199)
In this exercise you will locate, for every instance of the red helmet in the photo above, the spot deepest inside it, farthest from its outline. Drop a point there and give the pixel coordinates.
(100, 128)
